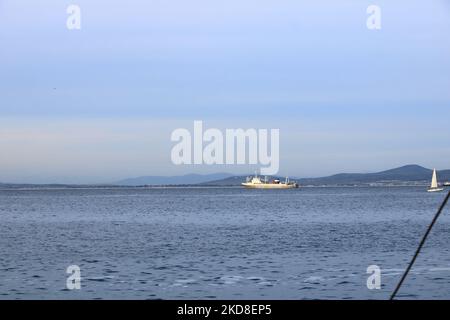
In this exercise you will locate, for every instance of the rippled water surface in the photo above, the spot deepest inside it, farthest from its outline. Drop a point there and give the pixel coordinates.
(225, 243)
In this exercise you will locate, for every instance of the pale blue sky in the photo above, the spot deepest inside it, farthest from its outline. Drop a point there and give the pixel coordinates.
(345, 98)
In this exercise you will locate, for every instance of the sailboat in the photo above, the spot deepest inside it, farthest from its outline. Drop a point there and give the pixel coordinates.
(434, 183)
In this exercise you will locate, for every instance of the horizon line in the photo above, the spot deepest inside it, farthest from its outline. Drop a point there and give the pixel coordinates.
(117, 182)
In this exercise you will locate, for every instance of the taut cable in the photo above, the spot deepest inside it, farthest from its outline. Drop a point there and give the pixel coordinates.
(420, 245)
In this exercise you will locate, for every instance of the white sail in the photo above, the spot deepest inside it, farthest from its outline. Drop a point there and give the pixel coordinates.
(434, 183)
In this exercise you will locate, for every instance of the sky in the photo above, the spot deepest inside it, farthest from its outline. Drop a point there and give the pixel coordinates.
(99, 104)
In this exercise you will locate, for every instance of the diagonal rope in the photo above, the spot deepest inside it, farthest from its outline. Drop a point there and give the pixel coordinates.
(420, 245)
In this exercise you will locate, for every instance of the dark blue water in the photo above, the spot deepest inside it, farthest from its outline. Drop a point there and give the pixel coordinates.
(230, 243)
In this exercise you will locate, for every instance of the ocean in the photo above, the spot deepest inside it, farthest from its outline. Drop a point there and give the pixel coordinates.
(221, 243)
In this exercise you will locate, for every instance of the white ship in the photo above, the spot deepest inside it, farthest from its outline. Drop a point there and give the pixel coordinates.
(434, 183)
(256, 183)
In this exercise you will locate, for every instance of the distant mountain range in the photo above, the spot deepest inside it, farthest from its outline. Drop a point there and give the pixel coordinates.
(410, 174)
(402, 175)
(406, 175)
(174, 180)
